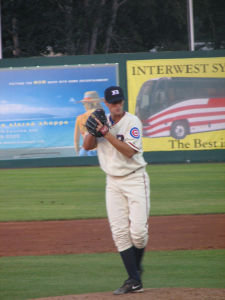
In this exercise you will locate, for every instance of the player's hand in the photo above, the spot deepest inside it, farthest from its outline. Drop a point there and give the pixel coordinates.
(103, 129)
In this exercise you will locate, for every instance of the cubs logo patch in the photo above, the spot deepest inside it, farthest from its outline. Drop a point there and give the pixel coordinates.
(135, 133)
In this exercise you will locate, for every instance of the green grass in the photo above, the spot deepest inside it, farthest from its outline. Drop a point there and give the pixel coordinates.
(79, 192)
(43, 276)
(187, 189)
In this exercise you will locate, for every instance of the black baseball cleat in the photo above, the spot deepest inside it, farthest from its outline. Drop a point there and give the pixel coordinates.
(129, 286)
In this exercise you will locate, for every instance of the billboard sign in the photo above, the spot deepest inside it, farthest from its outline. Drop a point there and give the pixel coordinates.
(181, 102)
(39, 107)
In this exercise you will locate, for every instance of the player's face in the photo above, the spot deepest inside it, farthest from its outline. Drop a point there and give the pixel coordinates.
(116, 109)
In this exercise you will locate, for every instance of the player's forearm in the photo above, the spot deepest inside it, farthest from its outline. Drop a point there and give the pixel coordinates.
(122, 147)
(89, 142)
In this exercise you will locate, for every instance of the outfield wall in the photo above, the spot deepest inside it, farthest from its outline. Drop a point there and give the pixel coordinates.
(161, 153)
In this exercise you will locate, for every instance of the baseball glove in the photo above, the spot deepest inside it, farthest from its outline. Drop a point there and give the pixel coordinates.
(92, 124)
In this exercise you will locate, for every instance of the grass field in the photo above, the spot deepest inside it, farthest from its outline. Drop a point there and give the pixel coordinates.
(43, 276)
(79, 192)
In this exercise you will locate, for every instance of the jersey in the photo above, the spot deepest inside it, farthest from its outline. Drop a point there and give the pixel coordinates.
(128, 130)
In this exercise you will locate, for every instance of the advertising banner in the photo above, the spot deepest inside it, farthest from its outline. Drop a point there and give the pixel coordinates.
(40, 106)
(181, 102)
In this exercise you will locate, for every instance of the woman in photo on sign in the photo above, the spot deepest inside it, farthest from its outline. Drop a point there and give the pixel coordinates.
(91, 101)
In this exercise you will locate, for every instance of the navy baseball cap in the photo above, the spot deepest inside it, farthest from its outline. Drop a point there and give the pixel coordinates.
(113, 94)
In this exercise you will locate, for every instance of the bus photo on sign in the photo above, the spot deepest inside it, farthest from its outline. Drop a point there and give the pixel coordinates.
(180, 106)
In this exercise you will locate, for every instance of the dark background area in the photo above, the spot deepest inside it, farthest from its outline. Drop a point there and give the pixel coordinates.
(75, 27)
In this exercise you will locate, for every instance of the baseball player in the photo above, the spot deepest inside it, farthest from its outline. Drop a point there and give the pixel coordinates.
(117, 137)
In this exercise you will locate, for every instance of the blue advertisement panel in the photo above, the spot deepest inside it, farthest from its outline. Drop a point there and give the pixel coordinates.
(43, 109)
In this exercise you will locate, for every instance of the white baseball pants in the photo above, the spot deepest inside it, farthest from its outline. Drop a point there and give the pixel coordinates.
(128, 206)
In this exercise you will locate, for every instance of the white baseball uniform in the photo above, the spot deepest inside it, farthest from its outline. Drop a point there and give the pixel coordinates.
(127, 184)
